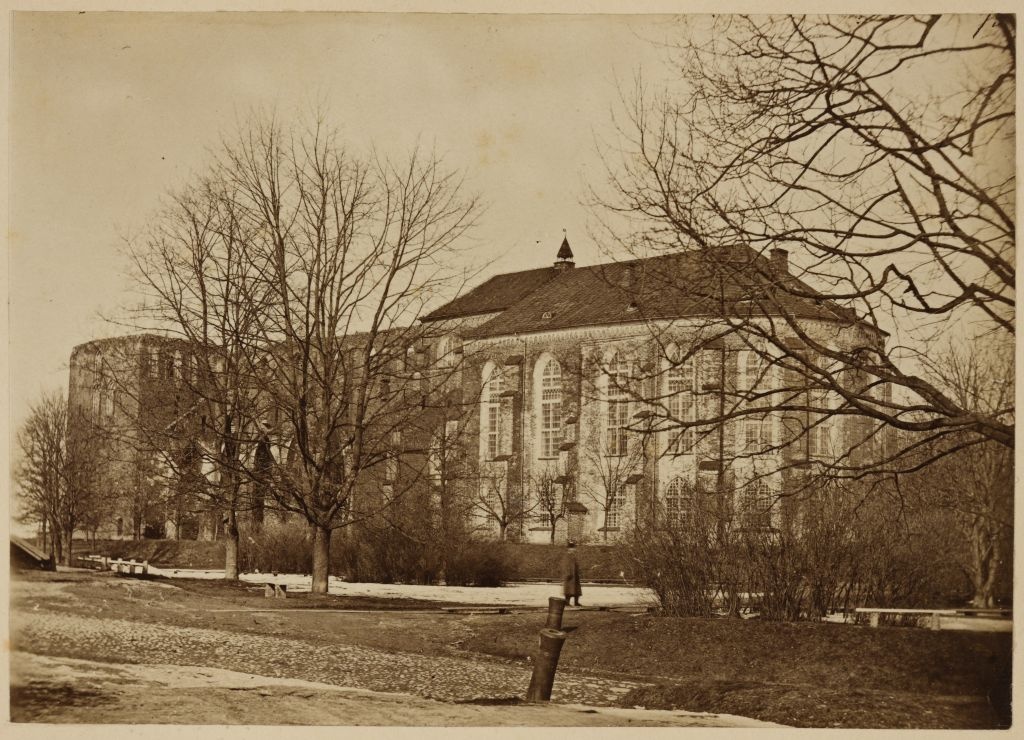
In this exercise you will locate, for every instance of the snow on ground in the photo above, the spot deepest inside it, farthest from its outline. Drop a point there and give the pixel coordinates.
(513, 594)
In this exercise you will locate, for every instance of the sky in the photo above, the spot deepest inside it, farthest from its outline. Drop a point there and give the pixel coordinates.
(110, 111)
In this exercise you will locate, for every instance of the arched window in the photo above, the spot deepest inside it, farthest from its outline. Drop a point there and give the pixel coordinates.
(617, 417)
(679, 395)
(490, 418)
(678, 503)
(448, 350)
(550, 409)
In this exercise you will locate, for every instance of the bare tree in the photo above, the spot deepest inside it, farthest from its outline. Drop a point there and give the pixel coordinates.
(55, 474)
(550, 499)
(879, 152)
(614, 477)
(452, 481)
(348, 251)
(197, 275)
(975, 484)
(495, 500)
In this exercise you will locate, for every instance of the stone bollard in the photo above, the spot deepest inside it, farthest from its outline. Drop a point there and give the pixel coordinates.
(145, 567)
(544, 666)
(556, 606)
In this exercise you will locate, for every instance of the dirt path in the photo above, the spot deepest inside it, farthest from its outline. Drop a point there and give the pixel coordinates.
(434, 677)
(65, 690)
(78, 659)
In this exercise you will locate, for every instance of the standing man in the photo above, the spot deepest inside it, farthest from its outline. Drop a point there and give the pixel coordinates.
(571, 575)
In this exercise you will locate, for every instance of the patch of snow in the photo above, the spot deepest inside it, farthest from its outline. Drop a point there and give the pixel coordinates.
(513, 594)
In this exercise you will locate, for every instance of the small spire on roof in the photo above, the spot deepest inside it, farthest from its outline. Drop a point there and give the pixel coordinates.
(564, 257)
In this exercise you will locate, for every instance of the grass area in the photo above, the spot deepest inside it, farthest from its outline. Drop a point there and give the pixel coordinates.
(811, 675)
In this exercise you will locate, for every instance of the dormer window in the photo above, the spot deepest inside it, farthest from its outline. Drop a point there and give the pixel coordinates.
(548, 315)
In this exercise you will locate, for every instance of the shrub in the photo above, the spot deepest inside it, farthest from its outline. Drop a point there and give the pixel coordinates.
(478, 564)
(675, 558)
(284, 547)
(376, 553)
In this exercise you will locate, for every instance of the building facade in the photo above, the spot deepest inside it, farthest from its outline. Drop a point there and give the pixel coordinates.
(589, 383)
(557, 403)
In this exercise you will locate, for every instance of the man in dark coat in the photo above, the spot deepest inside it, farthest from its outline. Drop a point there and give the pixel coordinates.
(571, 575)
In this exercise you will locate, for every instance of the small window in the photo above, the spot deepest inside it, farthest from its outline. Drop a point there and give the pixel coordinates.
(756, 505)
(167, 365)
(615, 504)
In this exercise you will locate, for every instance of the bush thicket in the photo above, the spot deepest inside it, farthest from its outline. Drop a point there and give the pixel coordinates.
(837, 547)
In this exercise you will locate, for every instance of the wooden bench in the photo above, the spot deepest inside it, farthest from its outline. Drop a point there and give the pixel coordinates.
(934, 615)
(989, 612)
(128, 567)
(275, 591)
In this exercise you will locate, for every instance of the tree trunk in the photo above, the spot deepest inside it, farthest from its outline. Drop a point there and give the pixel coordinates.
(231, 546)
(986, 564)
(321, 559)
(58, 552)
(69, 537)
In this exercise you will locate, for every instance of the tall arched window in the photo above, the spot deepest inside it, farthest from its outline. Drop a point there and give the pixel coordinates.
(679, 392)
(490, 419)
(617, 417)
(550, 408)
(678, 502)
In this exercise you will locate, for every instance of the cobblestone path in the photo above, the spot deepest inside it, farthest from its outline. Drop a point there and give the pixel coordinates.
(444, 678)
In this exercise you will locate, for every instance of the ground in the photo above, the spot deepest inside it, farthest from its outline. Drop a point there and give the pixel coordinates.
(92, 647)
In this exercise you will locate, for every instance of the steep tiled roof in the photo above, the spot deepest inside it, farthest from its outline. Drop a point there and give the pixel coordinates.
(679, 285)
(496, 294)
